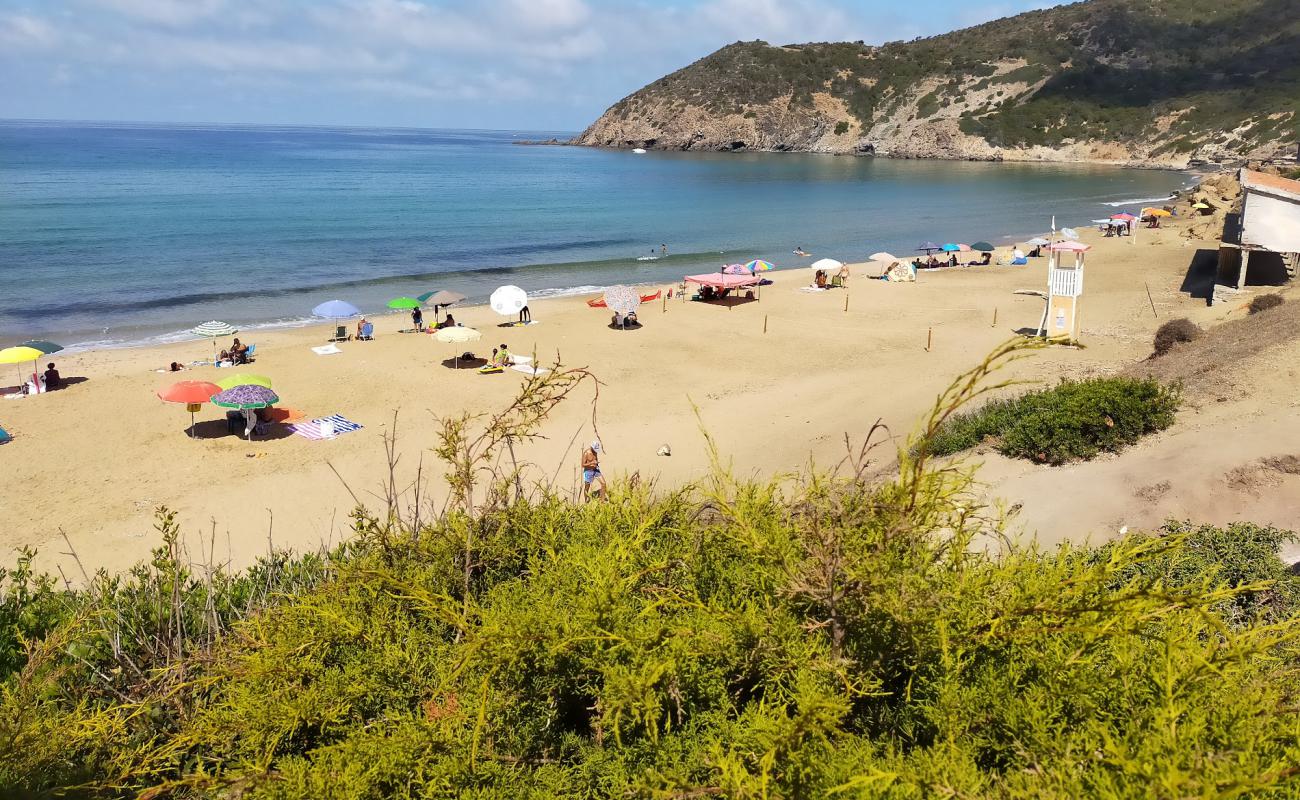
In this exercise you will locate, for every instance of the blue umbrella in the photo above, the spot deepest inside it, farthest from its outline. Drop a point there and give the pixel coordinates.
(950, 248)
(335, 309)
(927, 247)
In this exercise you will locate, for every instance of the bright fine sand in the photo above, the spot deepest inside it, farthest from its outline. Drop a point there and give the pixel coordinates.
(92, 461)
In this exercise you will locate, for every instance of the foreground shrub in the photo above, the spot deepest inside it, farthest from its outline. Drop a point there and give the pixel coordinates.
(1264, 302)
(827, 638)
(1071, 421)
(1175, 331)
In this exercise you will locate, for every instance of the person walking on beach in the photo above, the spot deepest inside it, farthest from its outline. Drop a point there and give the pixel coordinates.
(591, 470)
(417, 318)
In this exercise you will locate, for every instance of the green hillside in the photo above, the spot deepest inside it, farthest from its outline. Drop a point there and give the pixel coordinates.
(1175, 75)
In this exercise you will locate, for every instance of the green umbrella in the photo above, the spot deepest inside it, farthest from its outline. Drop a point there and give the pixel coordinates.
(246, 396)
(983, 247)
(42, 345)
(404, 302)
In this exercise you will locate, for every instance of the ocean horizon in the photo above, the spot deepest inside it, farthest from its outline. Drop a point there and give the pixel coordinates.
(117, 234)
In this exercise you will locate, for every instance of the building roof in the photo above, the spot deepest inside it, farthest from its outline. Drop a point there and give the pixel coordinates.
(1270, 184)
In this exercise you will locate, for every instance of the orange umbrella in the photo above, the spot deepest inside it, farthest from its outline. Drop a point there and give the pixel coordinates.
(192, 393)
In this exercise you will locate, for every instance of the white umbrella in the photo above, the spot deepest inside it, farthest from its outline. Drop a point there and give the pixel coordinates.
(622, 299)
(213, 330)
(1038, 241)
(508, 300)
(457, 335)
(883, 257)
(1069, 233)
(827, 264)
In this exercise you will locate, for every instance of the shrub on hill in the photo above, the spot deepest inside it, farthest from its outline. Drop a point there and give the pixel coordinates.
(1174, 332)
(1266, 301)
(1068, 422)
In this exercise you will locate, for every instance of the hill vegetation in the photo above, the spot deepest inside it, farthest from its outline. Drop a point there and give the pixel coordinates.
(1161, 81)
(822, 637)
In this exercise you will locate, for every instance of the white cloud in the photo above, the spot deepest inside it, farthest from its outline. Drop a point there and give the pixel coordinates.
(21, 31)
(176, 13)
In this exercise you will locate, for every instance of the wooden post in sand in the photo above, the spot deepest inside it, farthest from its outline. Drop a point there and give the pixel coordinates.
(995, 317)
(665, 298)
(846, 302)
(929, 338)
(764, 323)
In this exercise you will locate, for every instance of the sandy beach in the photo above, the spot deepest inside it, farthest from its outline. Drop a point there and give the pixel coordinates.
(91, 462)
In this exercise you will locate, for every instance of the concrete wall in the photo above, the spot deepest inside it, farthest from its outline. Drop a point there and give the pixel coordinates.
(1271, 223)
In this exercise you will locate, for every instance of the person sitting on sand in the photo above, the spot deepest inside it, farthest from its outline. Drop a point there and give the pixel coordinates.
(931, 262)
(52, 378)
(449, 322)
(952, 259)
(417, 319)
(360, 323)
(591, 469)
(237, 354)
(986, 260)
(501, 357)
(175, 366)
(820, 280)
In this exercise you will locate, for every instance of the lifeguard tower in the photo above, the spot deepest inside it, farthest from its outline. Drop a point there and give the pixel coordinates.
(1064, 285)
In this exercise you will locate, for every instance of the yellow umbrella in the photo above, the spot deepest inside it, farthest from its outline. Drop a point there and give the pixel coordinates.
(1155, 212)
(21, 355)
(245, 379)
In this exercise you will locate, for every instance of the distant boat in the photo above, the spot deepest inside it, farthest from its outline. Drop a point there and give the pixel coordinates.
(638, 150)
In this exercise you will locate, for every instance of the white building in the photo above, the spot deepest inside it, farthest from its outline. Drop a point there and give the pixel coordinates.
(1270, 220)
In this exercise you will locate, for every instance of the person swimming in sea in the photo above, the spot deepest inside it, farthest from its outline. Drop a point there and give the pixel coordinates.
(663, 249)
(800, 252)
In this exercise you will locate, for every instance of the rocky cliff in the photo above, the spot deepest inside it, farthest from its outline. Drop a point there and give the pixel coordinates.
(1167, 82)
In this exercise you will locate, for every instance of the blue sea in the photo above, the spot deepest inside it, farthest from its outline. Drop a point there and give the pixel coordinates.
(116, 234)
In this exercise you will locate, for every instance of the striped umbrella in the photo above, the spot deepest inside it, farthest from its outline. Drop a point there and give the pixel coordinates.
(213, 330)
(759, 265)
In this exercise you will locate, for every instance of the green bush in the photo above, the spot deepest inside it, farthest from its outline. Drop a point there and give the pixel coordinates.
(841, 128)
(1071, 421)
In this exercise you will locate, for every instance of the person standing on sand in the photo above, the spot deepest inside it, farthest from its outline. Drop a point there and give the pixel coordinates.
(591, 470)
(417, 318)
(525, 316)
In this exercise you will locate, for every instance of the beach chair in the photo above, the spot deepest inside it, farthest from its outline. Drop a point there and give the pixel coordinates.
(340, 334)
(248, 354)
(367, 332)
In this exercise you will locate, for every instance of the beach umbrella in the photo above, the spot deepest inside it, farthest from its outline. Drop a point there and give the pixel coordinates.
(42, 345)
(735, 269)
(192, 393)
(983, 247)
(622, 299)
(951, 248)
(214, 330)
(1037, 241)
(1155, 212)
(883, 257)
(457, 335)
(1069, 233)
(1123, 216)
(335, 309)
(759, 265)
(439, 299)
(1200, 205)
(20, 355)
(826, 264)
(508, 300)
(244, 379)
(245, 396)
(403, 303)
(927, 247)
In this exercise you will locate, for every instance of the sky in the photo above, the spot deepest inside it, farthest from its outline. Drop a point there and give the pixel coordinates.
(541, 65)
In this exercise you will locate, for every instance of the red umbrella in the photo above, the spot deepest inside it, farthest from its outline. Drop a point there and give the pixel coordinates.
(1124, 216)
(191, 393)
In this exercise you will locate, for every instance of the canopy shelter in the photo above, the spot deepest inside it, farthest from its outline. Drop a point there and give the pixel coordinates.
(720, 282)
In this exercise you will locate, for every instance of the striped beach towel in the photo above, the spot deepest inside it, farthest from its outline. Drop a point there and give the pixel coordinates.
(311, 429)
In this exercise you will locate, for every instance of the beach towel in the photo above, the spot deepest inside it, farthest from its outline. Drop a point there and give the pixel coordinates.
(326, 350)
(812, 289)
(311, 429)
(529, 369)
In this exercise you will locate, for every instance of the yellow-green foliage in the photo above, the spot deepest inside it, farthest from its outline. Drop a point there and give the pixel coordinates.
(804, 638)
